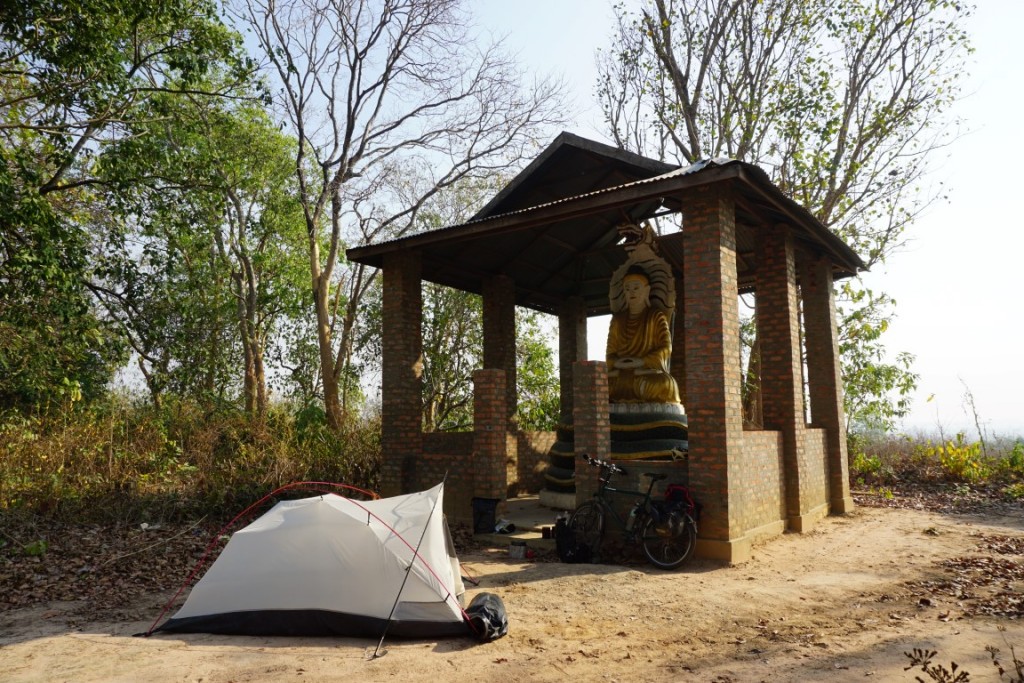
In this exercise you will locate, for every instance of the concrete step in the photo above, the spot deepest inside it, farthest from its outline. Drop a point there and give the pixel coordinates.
(529, 517)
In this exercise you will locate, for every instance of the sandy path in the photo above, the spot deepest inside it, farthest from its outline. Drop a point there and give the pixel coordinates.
(829, 605)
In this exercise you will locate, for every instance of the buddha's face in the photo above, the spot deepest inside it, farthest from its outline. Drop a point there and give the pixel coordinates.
(637, 293)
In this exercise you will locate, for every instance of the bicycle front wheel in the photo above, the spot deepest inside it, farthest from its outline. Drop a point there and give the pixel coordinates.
(588, 523)
(668, 543)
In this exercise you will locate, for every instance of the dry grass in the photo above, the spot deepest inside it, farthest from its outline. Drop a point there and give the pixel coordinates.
(124, 461)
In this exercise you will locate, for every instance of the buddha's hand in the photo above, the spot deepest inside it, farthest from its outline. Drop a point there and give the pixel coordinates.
(629, 363)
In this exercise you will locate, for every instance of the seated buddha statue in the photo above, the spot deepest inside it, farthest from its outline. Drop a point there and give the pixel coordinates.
(639, 348)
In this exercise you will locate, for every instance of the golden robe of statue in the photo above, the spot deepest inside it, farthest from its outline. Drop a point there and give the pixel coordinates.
(639, 349)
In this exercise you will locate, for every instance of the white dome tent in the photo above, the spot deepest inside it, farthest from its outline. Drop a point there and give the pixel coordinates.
(330, 565)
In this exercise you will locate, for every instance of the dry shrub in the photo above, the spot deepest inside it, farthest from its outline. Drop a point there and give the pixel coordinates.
(888, 460)
(123, 460)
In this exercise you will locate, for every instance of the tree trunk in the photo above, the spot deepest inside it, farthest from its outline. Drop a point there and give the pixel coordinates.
(260, 380)
(753, 414)
(321, 302)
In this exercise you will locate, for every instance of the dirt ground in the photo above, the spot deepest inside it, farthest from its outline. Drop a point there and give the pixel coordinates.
(841, 603)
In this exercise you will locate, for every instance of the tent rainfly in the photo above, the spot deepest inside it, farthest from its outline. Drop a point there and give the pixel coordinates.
(329, 565)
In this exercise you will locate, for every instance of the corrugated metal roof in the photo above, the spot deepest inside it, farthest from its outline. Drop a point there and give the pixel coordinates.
(566, 246)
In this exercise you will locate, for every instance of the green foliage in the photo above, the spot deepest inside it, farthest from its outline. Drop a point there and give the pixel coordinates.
(865, 465)
(878, 390)
(452, 349)
(36, 548)
(1014, 462)
(75, 77)
(222, 245)
(1014, 491)
(879, 459)
(536, 374)
(960, 460)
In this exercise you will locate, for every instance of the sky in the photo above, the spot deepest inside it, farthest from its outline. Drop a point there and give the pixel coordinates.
(956, 283)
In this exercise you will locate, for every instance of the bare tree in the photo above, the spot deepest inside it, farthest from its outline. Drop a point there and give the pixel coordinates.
(843, 102)
(392, 101)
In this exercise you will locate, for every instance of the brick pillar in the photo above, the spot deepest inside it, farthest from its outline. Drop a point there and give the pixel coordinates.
(782, 384)
(402, 373)
(714, 405)
(824, 375)
(499, 295)
(572, 347)
(590, 421)
(490, 434)
(677, 364)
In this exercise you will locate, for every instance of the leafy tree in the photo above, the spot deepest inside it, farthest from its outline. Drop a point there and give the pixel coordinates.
(76, 72)
(452, 349)
(53, 349)
(843, 102)
(881, 388)
(391, 102)
(73, 75)
(536, 373)
(213, 204)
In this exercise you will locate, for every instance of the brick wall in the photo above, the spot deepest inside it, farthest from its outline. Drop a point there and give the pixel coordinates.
(451, 455)
(814, 489)
(760, 493)
(782, 393)
(499, 323)
(572, 347)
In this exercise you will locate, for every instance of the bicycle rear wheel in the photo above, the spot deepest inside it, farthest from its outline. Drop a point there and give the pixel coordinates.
(668, 543)
(588, 523)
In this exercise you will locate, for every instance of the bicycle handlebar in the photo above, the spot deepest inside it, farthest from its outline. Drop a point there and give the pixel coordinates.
(612, 467)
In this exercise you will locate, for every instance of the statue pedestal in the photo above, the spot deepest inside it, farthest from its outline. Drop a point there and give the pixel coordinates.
(639, 431)
(648, 431)
(558, 500)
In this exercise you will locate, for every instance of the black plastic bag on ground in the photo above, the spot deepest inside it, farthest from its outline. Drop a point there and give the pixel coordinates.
(487, 617)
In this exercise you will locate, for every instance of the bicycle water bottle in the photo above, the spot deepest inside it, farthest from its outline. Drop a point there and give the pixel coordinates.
(631, 520)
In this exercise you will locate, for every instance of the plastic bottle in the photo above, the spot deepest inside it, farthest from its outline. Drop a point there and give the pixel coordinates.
(631, 520)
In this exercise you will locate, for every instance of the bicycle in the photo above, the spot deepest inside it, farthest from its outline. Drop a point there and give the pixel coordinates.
(666, 531)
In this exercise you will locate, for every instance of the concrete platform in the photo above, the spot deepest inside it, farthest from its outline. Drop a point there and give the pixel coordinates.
(529, 516)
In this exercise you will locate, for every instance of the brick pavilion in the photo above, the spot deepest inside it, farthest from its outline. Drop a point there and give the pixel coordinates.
(549, 241)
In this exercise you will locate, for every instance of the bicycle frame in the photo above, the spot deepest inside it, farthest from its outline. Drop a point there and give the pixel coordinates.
(604, 487)
(667, 535)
